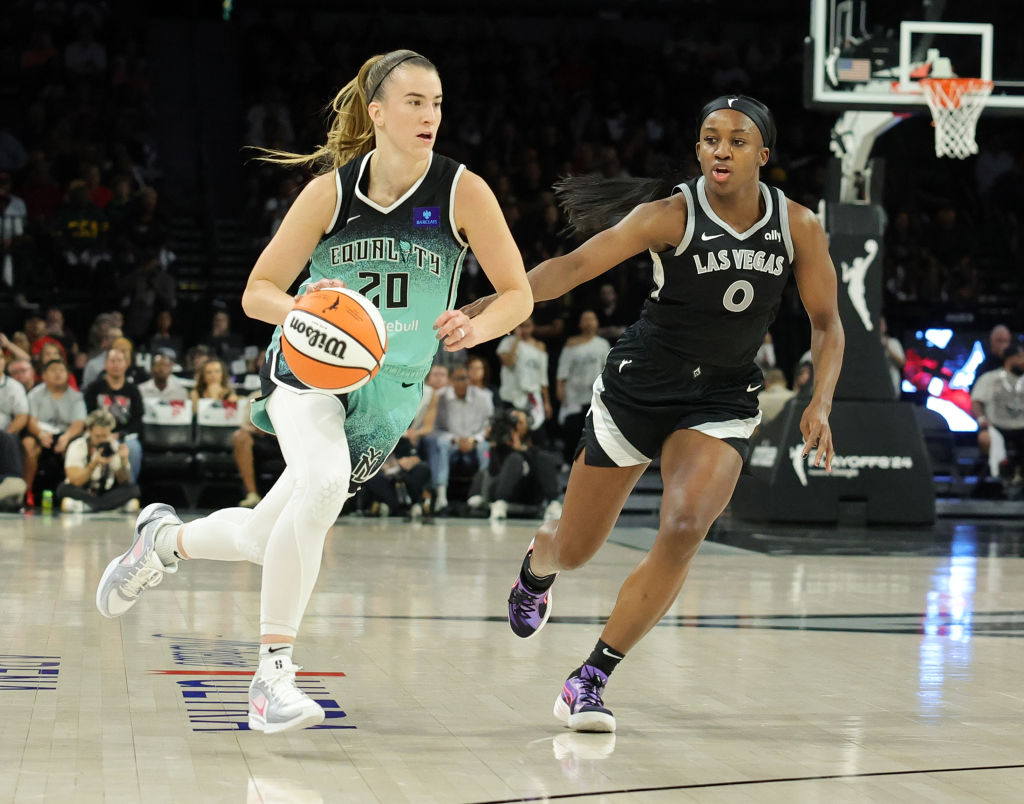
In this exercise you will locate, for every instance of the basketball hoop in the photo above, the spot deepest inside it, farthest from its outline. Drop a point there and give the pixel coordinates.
(956, 105)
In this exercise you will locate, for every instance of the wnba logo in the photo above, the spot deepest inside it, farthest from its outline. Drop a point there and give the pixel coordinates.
(318, 339)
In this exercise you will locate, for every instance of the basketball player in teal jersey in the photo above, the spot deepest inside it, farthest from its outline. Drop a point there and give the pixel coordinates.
(681, 382)
(393, 220)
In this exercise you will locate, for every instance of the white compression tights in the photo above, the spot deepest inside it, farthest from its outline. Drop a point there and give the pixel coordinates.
(286, 531)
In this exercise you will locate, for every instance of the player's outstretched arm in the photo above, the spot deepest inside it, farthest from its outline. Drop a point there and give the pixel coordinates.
(816, 281)
(479, 220)
(654, 225)
(266, 293)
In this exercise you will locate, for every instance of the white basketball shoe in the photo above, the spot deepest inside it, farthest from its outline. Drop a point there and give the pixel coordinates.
(276, 703)
(131, 574)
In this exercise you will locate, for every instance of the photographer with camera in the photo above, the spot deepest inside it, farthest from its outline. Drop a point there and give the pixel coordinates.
(518, 473)
(97, 469)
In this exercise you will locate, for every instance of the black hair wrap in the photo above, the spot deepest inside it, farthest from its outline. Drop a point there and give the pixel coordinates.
(390, 70)
(760, 114)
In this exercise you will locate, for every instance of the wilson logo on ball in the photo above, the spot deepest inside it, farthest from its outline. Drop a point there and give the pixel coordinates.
(334, 340)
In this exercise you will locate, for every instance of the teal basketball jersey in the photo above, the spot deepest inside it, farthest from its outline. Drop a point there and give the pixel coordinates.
(405, 258)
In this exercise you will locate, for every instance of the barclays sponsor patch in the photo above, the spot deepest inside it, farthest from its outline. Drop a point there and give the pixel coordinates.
(426, 216)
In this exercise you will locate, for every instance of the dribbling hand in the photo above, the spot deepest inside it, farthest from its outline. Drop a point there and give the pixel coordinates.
(320, 284)
(817, 434)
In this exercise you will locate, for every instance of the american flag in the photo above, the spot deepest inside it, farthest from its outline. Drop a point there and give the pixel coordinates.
(854, 70)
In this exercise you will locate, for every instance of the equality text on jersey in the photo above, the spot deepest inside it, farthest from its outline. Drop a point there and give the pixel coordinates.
(386, 249)
(740, 259)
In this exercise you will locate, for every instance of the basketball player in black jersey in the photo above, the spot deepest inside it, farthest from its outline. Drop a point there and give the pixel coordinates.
(681, 382)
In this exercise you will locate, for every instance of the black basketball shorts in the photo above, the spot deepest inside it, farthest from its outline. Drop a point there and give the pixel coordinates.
(645, 393)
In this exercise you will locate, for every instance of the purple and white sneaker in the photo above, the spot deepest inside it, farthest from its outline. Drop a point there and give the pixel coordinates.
(528, 611)
(580, 705)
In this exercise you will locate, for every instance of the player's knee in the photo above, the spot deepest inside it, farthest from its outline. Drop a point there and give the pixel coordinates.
(682, 533)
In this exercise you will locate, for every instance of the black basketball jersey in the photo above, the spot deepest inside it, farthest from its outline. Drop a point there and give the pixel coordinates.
(717, 292)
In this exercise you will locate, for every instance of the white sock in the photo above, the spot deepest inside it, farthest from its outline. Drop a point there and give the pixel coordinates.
(274, 650)
(166, 542)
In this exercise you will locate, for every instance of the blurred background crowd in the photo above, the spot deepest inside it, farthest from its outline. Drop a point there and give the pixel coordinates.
(131, 212)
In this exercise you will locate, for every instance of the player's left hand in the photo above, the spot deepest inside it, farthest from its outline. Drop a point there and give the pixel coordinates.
(817, 434)
(456, 329)
(320, 284)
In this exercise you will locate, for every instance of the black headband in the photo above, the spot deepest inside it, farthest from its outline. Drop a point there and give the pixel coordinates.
(390, 69)
(759, 113)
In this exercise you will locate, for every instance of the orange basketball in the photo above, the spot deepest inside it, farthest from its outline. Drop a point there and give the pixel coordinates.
(334, 340)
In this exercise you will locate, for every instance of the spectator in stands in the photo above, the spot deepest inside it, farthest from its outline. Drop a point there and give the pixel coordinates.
(803, 379)
(524, 374)
(57, 329)
(998, 339)
(97, 363)
(164, 340)
(23, 372)
(13, 419)
(195, 358)
(146, 289)
(147, 225)
(612, 318)
(401, 485)
(774, 395)
(459, 435)
(80, 228)
(252, 445)
(98, 476)
(56, 416)
(480, 374)
(894, 355)
(518, 472)
(162, 384)
(113, 393)
(50, 349)
(86, 57)
(765, 357)
(221, 340)
(213, 381)
(15, 266)
(997, 402)
(135, 374)
(579, 365)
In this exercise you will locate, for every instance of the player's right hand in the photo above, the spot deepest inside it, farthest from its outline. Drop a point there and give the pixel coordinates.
(320, 284)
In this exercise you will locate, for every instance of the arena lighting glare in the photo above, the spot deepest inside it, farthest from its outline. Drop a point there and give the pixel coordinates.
(958, 420)
(938, 337)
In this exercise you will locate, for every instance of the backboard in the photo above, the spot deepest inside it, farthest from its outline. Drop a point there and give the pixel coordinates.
(871, 54)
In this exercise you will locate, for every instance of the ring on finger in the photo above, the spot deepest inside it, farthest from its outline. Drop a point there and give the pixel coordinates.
(462, 333)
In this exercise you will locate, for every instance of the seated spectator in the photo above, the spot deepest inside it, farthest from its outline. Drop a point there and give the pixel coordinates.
(80, 228)
(146, 289)
(459, 435)
(162, 384)
(251, 445)
(115, 394)
(56, 416)
(23, 372)
(997, 400)
(50, 349)
(401, 486)
(97, 471)
(480, 374)
(97, 362)
(213, 382)
(518, 472)
(221, 341)
(774, 395)
(164, 340)
(135, 374)
(13, 419)
(195, 358)
(998, 339)
(765, 357)
(612, 318)
(524, 374)
(580, 363)
(56, 329)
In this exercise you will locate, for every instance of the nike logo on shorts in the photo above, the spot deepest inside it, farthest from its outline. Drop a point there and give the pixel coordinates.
(706, 236)
(752, 388)
(408, 384)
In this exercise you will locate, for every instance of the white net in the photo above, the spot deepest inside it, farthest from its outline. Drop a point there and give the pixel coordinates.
(956, 105)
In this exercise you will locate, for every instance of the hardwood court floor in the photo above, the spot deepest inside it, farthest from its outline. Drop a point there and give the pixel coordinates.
(774, 678)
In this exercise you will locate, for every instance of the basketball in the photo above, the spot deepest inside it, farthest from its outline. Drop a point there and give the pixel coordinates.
(334, 340)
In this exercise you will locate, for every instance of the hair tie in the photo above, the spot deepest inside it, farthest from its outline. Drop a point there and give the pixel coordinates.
(370, 97)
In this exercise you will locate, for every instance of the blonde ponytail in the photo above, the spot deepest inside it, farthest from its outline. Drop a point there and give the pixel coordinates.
(351, 133)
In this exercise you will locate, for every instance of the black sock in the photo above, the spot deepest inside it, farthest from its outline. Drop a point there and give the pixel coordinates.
(533, 582)
(604, 657)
